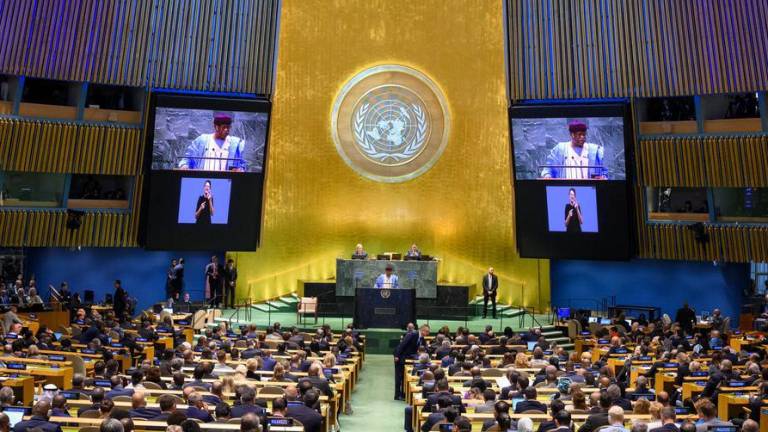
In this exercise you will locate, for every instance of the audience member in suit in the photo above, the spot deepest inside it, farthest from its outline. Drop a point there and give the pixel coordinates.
(167, 407)
(198, 375)
(120, 301)
(442, 389)
(598, 418)
(117, 388)
(614, 392)
(318, 381)
(562, 422)
(407, 348)
(530, 402)
(59, 406)
(446, 413)
(305, 412)
(489, 398)
(38, 420)
(97, 395)
(247, 404)
(197, 408)
(555, 407)
(718, 376)
(500, 410)
(667, 421)
(139, 407)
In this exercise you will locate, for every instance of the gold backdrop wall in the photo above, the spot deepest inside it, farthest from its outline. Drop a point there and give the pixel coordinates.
(317, 208)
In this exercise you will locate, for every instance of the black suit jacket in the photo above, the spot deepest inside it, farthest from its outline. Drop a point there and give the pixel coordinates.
(431, 404)
(36, 422)
(311, 419)
(526, 405)
(493, 288)
(594, 421)
(669, 427)
(408, 346)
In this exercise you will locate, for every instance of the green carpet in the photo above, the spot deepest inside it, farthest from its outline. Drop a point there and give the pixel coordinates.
(374, 408)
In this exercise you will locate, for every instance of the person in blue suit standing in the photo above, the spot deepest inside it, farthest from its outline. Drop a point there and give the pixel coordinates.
(408, 347)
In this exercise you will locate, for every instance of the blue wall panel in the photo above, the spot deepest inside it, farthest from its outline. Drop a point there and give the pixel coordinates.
(141, 272)
(666, 284)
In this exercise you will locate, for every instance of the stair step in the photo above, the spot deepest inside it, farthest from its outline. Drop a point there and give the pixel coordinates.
(261, 307)
(560, 340)
(290, 301)
(553, 333)
(511, 313)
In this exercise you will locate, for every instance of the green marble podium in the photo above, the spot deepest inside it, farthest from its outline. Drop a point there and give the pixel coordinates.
(417, 275)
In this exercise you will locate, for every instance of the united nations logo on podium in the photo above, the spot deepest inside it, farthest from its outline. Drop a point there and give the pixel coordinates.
(390, 123)
(385, 293)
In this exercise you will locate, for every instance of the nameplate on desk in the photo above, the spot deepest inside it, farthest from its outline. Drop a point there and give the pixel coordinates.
(116, 345)
(102, 383)
(621, 351)
(141, 339)
(384, 311)
(670, 365)
(737, 383)
(330, 371)
(16, 366)
(70, 395)
(682, 410)
(56, 357)
(32, 316)
(603, 341)
(279, 421)
(700, 373)
(586, 333)
(717, 348)
(182, 322)
(701, 383)
(644, 358)
(295, 403)
(88, 351)
(547, 352)
(11, 336)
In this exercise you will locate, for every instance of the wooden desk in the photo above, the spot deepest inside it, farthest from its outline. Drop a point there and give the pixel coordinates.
(729, 405)
(23, 388)
(692, 388)
(764, 419)
(61, 377)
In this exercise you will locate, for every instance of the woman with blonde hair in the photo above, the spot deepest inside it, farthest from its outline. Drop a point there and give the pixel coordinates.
(253, 365)
(642, 406)
(227, 384)
(655, 411)
(521, 361)
(241, 373)
(329, 361)
(278, 373)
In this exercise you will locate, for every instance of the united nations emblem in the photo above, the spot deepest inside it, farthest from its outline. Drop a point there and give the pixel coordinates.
(390, 123)
(385, 293)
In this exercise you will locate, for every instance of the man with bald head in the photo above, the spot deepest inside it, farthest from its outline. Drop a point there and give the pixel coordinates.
(139, 407)
(319, 382)
(59, 406)
(39, 419)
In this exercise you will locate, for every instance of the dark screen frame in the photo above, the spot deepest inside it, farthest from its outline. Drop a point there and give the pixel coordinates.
(243, 232)
(616, 237)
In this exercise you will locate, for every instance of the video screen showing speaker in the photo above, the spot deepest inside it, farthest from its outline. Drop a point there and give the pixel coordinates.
(206, 158)
(570, 171)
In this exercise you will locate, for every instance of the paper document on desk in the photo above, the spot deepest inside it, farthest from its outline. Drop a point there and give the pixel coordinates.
(502, 382)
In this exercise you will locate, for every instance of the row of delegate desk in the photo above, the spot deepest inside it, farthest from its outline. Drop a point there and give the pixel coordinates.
(730, 399)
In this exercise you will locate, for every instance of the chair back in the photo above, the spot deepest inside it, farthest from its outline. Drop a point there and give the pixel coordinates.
(492, 373)
(94, 414)
(151, 385)
(78, 365)
(89, 429)
(198, 319)
(308, 305)
(272, 390)
(236, 420)
(121, 398)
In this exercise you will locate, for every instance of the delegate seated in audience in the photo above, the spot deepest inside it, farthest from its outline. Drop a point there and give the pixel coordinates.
(442, 388)
(530, 403)
(97, 396)
(167, 408)
(555, 407)
(197, 408)
(707, 412)
(139, 407)
(38, 420)
(247, 403)
(444, 414)
(318, 381)
(598, 414)
(304, 410)
(668, 417)
(489, 399)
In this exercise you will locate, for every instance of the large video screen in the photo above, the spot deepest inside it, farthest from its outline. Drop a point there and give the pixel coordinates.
(206, 161)
(570, 171)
